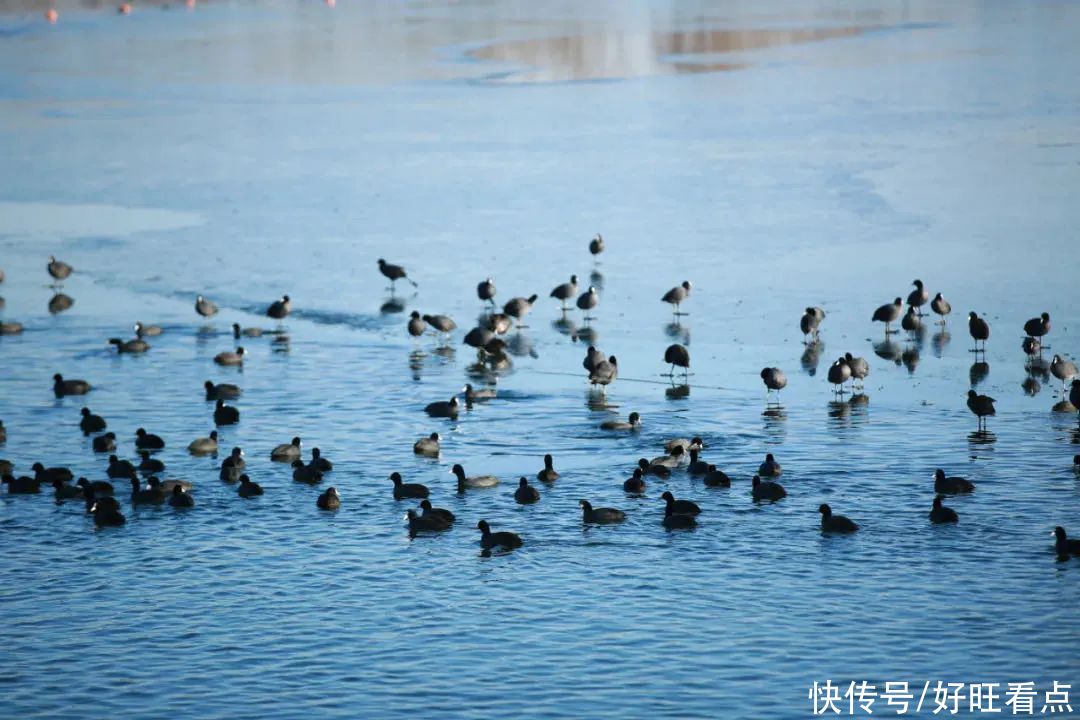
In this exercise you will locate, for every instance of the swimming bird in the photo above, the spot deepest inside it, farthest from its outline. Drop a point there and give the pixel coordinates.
(91, 423)
(62, 387)
(119, 469)
(694, 443)
(1064, 545)
(635, 484)
(951, 485)
(248, 488)
(672, 460)
(319, 462)
(150, 464)
(519, 307)
(548, 474)
(407, 490)
(633, 422)
(476, 481)
(696, 466)
(416, 326)
(766, 489)
(600, 516)
(11, 327)
(680, 507)
(810, 322)
(982, 406)
(6, 467)
(225, 391)
(839, 373)
(716, 478)
(442, 323)
(526, 494)
(1038, 327)
(911, 321)
(648, 468)
(148, 441)
(859, 368)
(22, 485)
(394, 273)
(592, 358)
(106, 512)
(770, 468)
(286, 452)
(677, 356)
(835, 523)
(425, 523)
(230, 471)
(941, 514)
(430, 511)
(774, 379)
(677, 521)
(329, 500)
(443, 408)
(64, 491)
(677, 295)
(491, 540)
(941, 306)
(604, 373)
(204, 445)
(280, 309)
(225, 414)
(918, 297)
(133, 347)
(58, 269)
(565, 292)
(1063, 369)
(180, 498)
(305, 474)
(46, 475)
(145, 496)
(235, 459)
(888, 314)
(473, 394)
(427, 446)
(486, 291)
(205, 307)
(230, 358)
(96, 489)
(979, 329)
(104, 443)
(142, 330)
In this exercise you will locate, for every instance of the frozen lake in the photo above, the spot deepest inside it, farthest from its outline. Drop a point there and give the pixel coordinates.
(777, 154)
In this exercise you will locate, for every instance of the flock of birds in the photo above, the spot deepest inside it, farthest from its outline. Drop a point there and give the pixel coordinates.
(680, 454)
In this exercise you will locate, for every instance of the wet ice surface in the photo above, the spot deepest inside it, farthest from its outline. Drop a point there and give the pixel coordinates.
(247, 151)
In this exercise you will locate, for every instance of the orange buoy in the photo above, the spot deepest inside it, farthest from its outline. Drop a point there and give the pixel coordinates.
(52, 16)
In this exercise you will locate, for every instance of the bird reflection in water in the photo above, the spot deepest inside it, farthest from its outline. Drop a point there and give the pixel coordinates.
(596, 279)
(940, 341)
(839, 410)
(889, 350)
(1030, 386)
(519, 345)
(1063, 406)
(910, 358)
(678, 332)
(586, 334)
(60, 302)
(1038, 368)
(677, 392)
(979, 370)
(811, 356)
(416, 363)
(775, 420)
(392, 305)
(981, 439)
(280, 344)
(597, 400)
(565, 326)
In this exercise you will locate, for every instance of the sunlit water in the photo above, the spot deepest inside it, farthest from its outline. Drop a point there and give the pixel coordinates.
(244, 151)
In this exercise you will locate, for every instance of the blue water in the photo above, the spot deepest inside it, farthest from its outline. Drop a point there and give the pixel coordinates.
(243, 151)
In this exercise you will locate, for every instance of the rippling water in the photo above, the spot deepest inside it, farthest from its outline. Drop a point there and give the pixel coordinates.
(245, 151)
